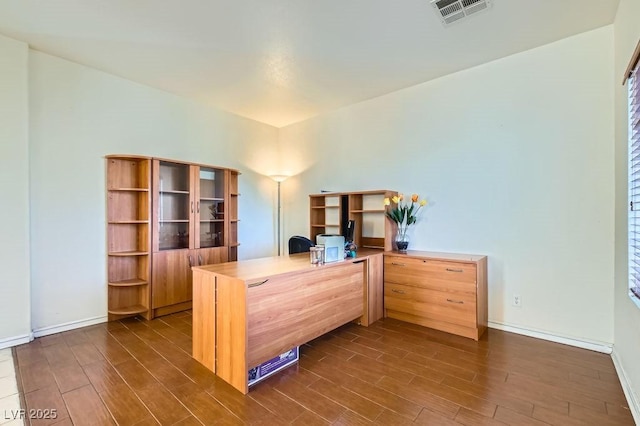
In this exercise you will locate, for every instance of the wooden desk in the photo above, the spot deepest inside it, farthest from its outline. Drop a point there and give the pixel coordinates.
(247, 312)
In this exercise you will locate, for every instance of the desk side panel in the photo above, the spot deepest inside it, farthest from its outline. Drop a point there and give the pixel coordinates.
(231, 332)
(204, 324)
(376, 289)
(482, 302)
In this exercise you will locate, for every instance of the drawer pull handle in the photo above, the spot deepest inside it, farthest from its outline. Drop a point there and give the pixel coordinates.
(454, 270)
(258, 283)
(398, 291)
(355, 262)
(460, 302)
(190, 261)
(199, 260)
(397, 264)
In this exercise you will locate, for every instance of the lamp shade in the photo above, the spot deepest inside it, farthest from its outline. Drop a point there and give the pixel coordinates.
(279, 178)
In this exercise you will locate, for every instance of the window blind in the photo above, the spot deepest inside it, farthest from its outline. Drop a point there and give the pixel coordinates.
(634, 180)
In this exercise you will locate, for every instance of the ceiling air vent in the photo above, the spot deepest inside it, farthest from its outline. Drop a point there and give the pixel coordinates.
(450, 11)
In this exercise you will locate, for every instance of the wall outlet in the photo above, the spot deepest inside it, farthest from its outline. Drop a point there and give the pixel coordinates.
(517, 301)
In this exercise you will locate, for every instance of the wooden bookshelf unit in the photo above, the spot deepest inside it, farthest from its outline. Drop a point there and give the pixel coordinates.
(163, 218)
(128, 236)
(330, 211)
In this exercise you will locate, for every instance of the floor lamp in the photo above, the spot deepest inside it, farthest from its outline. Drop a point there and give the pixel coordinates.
(279, 179)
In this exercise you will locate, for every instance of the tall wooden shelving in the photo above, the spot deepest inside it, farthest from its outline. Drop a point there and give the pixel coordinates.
(232, 233)
(128, 236)
(194, 223)
(330, 211)
(163, 217)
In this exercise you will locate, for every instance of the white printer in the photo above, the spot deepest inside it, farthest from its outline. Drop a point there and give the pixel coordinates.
(333, 247)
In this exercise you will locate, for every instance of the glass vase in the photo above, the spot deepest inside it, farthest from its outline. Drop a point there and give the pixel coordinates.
(402, 241)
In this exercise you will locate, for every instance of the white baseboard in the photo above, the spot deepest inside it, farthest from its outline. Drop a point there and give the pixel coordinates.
(45, 331)
(605, 348)
(15, 341)
(632, 399)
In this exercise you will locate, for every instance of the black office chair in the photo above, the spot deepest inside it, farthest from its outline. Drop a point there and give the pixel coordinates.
(299, 244)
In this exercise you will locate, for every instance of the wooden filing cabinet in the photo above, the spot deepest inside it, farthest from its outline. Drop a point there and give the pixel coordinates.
(443, 291)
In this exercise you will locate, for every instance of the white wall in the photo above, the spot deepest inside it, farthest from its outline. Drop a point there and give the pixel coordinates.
(77, 116)
(627, 315)
(513, 156)
(14, 187)
(516, 158)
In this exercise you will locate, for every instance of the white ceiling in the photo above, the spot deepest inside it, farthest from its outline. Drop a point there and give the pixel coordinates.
(283, 61)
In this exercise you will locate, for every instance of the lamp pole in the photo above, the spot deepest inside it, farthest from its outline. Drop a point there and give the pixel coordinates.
(279, 208)
(279, 179)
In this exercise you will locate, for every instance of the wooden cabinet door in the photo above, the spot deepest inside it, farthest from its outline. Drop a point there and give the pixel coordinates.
(172, 277)
(173, 206)
(209, 216)
(210, 256)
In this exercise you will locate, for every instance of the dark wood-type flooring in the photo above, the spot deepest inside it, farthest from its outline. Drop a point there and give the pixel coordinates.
(136, 372)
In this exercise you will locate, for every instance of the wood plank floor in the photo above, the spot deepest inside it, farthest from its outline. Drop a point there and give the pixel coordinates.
(136, 372)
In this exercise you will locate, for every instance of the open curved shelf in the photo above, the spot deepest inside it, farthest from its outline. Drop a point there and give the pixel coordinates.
(129, 189)
(128, 310)
(128, 236)
(127, 222)
(128, 253)
(128, 283)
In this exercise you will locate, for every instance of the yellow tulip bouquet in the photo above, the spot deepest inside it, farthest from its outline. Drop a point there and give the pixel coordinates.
(404, 214)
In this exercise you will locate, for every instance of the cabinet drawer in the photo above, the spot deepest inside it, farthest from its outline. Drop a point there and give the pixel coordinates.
(430, 273)
(454, 307)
